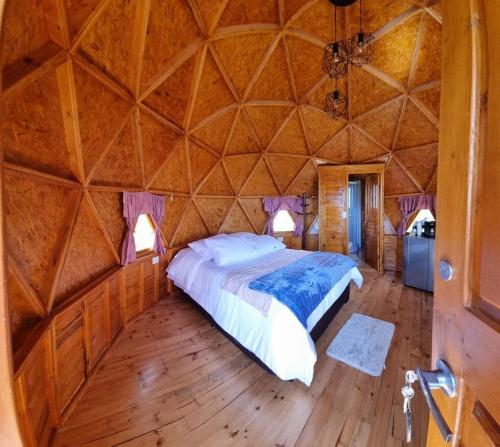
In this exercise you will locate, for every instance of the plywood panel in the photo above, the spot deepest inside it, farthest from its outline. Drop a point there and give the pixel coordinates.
(291, 7)
(191, 227)
(171, 28)
(377, 13)
(397, 182)
(115, 305)
(38, 216)
(217, 183)
(133, 291)
(239, 12)
(382, 122)
(211, 11)
(173, 175)
(431, 99)
(34, 119)
(213, 92)
(214, 212)
(201, 162)
(274, 81)
(236, 221)
(421, 162)
(260, 182)
(362, 148)
(109, 206)
(267, 120)
(392, 211)
(215, 132)
(149, 284)
(320, 127)
(254, 209)
(157, 143)
(78, 11)
(291, 138)
(239, 55)
(108, 44)
(243, 139)
(416, 129)
(306, 181)
(70, 363)
(429, 57)
(285, 168)
(96, 323)
(337, 149)
(174, 210)
(239, 169)
(88, 255)
(170, 98)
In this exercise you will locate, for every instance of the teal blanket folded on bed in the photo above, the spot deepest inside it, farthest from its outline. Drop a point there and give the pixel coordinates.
(303, 284)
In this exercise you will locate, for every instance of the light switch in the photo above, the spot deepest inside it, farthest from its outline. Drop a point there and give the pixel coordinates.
(155, 260)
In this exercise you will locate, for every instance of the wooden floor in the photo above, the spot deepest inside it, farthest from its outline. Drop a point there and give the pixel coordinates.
(174, 380)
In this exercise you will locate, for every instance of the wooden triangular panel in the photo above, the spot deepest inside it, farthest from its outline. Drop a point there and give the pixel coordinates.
(395, 50)
(420, 162)
(291, 7)
(396, 181)
(100, 114)
(306, 74)
(429, 56)
(432, 186)
(217, 183)
(211, 11)
(306, 182)
(318, 20)
(215, 132)
(240, 56)
(77, 13)
(173, 176)
(362, 148)
(236, 221)
(38, 217)
(89, 255)
(171, 28)
(267, 120)
(376, 13)
(260, 183)
(109, 206)
(33, 117)
(170, 99)
(213, 92)
(285, 168)
(243, 140)
(291, 139)
(121, 165)
(367, 91)
(201, 162)
(174, 209)
(239, 12)
(214, 212)
(431, 98)
(191, 227)
(392, 211)
(158, 142)
(239, 169)
(22, 315)
(416, 129)
(109, 43)
(382, 123)
(320, 127)
(255, 211)
(337, 149)
(274, 81)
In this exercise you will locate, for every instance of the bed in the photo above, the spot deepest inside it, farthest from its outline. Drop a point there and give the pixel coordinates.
(272, 332)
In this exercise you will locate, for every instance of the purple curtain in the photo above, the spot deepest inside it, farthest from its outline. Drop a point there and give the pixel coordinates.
(135, 204)
(411, 204)
(274, 204)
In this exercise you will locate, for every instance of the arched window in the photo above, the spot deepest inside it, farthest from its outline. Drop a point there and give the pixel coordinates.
(283, 222)
(144, 233)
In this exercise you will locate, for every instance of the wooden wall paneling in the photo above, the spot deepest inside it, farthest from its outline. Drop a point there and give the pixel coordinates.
(133, 291)
(150, 284)
(115, 306)
(96, 319)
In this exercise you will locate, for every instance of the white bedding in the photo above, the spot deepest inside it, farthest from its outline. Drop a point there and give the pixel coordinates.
(279, 339)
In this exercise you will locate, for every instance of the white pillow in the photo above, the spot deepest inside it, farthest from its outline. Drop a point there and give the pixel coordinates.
(201, 248)
(228, 250)
(264, 244)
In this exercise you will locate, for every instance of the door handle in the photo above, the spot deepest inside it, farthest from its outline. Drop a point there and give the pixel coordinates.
(440, 378)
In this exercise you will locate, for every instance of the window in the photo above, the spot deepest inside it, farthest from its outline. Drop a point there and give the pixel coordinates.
(283, 222)
(422, 215)
(314, 228)
(144, 233)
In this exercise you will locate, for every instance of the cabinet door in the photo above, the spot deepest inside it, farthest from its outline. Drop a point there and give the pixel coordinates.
(333, 210)
(371, 223)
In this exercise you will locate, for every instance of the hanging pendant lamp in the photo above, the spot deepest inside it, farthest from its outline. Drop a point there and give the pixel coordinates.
(336, 104)
(361, 45)
(335, 56)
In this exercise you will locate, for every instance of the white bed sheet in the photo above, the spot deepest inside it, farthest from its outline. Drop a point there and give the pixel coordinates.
(279, 339)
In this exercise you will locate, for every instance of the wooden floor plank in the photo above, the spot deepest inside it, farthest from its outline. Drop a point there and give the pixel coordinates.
(173, 380)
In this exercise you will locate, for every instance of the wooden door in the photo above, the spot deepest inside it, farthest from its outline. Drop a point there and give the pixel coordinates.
(371, 230)
(332, 184)
(466, 326)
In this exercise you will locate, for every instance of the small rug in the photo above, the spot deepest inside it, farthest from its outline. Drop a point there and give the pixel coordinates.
(363, 343)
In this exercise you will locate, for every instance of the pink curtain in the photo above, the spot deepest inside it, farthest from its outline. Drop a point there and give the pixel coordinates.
(135, 204)
(411, 204)
(277, 203)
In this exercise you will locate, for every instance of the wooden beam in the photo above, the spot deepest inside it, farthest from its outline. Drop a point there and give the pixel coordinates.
(290, 71)
(21, 171)
(407, 172)
(137, 142)
(139, 43)
(195, 85)
(56, 22)
(237, 30)
(89, 23)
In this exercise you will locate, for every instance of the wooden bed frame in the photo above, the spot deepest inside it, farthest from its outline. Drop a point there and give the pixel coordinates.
(315, 333)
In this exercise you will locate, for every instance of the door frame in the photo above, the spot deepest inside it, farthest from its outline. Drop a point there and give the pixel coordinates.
(373, 168)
